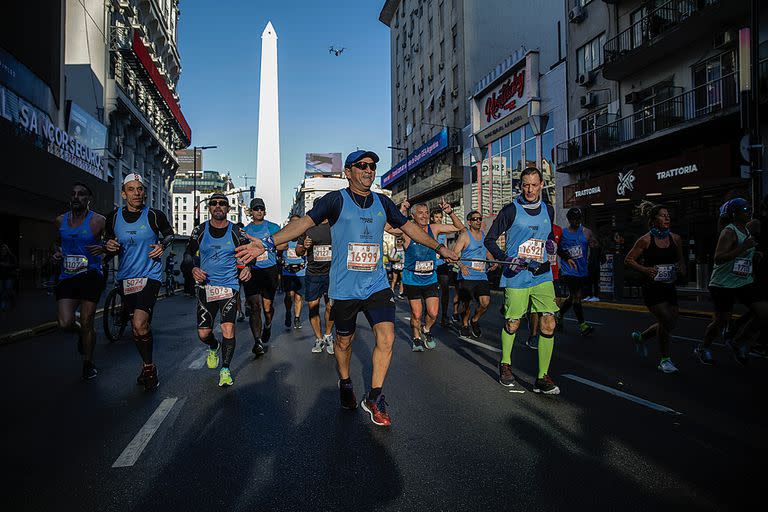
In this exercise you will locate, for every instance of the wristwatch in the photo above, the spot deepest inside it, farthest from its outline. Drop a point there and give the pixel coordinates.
(438, 246)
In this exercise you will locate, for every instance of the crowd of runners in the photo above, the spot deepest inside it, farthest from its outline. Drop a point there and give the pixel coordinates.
(335, 256)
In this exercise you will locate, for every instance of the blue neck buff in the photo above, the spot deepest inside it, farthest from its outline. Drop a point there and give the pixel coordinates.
(659, 234)
(532, 205)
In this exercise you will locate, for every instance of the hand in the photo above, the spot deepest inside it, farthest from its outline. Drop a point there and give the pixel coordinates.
(57, 256)
(514, 266)
(245, 274)
(571, 263)
(464, 270)
(113, 245)
(447, 208)
(157, 251)
(493, 267)
(249, 252)
(404, 206)
(448, 255)
(749, 243)
(550, 246)
(95, 250)
(199, 275)
(651, 272)
(308, 243)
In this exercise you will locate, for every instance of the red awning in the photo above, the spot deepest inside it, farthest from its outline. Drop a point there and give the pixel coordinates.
(142, 52)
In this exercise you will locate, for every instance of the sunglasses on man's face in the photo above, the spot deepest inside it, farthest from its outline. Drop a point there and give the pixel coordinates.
(258, 209)
(475, 219)
(218, 203)
(364, 165)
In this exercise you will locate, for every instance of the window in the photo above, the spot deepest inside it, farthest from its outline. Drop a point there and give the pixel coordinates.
(442, 52)
(590, 56)
(397, 45)
(184, 217)
(530, 147)
(429, 28)
(455, 77)
(454, 35)
(715, 82)
(431, 67)
(440, 16)
(185, 226)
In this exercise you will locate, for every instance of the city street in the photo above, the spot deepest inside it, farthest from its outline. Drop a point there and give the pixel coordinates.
(620, 436)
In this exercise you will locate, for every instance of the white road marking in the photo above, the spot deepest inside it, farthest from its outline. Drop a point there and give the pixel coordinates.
(587, 321)
(198, 361)
(517, 391)
(132, 452)
(621, 394)
(483, 345)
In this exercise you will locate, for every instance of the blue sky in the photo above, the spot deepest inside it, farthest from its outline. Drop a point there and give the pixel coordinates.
(327, 103)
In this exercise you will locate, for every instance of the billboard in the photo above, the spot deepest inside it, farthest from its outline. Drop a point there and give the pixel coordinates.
(186, 164)
(420, 155)
(323, 163)
(85, 128)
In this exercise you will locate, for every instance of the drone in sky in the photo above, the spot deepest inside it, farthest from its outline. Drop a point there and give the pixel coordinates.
(335, 51)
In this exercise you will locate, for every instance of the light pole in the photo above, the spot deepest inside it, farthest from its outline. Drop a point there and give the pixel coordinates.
(407, 183)
(194, 180)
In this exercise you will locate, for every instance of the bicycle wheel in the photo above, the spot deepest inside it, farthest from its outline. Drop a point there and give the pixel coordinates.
(113, 318)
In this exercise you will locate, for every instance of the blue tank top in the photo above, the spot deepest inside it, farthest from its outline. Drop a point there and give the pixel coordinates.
(76, 258)
(475, 250)
(217, 258)
(135, 239)
(290, 258)
(525, 238)
(420, 264)
(357, 271)
(441, 238)
(577, 246)
(266, 228)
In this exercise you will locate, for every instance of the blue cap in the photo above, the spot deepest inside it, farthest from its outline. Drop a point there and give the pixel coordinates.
(731, 206)
(358, 155)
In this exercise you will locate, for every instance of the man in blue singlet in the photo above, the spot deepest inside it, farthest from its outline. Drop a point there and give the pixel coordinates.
(139, 235)
(81, 280)
(218, 282)
(576, 242)
(358, 281)
(294, 270)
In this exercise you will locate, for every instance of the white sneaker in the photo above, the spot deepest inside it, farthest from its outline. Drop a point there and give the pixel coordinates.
(328, 343)
(595, 299)
(318, 346)
(666, 366)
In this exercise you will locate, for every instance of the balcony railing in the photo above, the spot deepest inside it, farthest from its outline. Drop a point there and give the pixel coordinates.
(660, 20)
(678, 110)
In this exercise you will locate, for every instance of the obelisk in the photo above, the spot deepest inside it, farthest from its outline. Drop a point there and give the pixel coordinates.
(268, 147)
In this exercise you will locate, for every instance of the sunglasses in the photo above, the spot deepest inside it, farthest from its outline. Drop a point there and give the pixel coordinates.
(259, 209)
(364, 165)
(218, 203)
(475, 219)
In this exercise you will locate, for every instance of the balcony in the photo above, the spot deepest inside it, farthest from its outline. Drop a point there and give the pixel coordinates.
(718, 97)
(670, 26)
(444, 176)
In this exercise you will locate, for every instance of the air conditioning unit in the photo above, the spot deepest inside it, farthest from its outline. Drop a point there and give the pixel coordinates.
(455, 93)
(586, 79)
(632, 98)
(587, 101)
(724, 39)
(577, 14)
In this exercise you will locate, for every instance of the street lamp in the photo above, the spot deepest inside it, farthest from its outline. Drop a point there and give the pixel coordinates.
(407, 183)
(194, 180)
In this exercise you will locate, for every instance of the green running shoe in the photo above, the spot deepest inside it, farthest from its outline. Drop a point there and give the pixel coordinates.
(640, 347)
(585, 329)
(213, 358)
(225, 378)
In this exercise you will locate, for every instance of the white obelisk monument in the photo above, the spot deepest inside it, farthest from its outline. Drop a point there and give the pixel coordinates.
(268, 149)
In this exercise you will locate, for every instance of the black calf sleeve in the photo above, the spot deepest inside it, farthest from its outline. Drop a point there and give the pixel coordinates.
(144, 345)
(211, 341)
(227, 351)
(579, 312)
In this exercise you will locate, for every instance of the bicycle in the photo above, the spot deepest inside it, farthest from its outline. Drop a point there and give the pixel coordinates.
(170, 282)
(114, 317)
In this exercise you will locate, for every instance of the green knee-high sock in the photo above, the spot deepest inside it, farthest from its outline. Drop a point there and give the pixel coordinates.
(546, 347)
(507, 340)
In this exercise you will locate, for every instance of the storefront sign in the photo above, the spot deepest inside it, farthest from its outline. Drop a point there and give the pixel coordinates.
(503, 100)
(626, 182)
(503, 127)
(17, 77)
(606, 275)
(428, 150)
(587, 191)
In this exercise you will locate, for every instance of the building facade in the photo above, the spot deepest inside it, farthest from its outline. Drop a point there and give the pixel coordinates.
(185, 200)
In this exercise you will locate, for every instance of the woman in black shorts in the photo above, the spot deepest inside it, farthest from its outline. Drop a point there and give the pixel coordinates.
(658, 255)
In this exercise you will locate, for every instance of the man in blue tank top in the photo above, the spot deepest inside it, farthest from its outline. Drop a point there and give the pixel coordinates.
(526, 224)
(576, 242)
(294, 271)
(218, 282)
(358, 281)
(260, 289)
(139, 235)
(420, 271)
(473, 275)
(79, 250)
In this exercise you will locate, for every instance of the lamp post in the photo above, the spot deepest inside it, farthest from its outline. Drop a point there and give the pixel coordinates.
(407, 182)
(194, 180)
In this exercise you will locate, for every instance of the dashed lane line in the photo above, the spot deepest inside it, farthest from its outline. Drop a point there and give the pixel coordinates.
(132, 452)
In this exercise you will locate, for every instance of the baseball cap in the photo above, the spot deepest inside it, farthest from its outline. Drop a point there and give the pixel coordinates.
(358, 155)
(257, 201)
(133, 177)
(731, 206)
(218, 195)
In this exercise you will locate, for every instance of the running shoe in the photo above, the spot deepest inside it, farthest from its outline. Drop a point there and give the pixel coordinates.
(213, 358)
(318, 347)
(418, 345)
(476, 331)
(347, 396)
(328, 340)
(297, 323)
(506, 377)
(640, 347)
(666, 366)
(585, 329)
(429, 341)
(225, 378)
(546, 386)
(258, 349)
(740, 352)
(241, 317)
(705, 355)
(149, 377)
(287, 319)
(89, 370)
(80, 349)
(266, 332)
(377, 410)
(532, 342)
(595, 299)
(465, 331)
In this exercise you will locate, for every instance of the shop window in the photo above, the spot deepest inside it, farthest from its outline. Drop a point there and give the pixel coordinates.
(530, 147)
(590, 56)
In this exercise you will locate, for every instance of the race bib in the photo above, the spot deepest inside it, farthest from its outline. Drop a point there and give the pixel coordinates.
(291, 254)
(478, 266)
(75, 264)
(321, 252)
(665, 273)
(134, 285)
(362, 257)
(213, 293)
(263, 256)
(742, 267)
(424, 267)
(552, 258)
(397, 266)
(575, 252)
(531, 249)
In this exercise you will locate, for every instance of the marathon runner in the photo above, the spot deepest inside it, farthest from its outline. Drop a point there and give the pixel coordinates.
(294, 270)
(260, 289)
(139, 235)
(79, 251)
(658, 255)
(218, 282)
(560, 292)
(357, 280)
(733, 280)
(473, 277)
(576, 241)
(397, 257)
(419, 272)
(316, 246)
(446, 276)
(526, 224)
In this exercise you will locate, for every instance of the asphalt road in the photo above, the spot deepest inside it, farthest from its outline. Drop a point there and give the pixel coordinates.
(277, 440)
